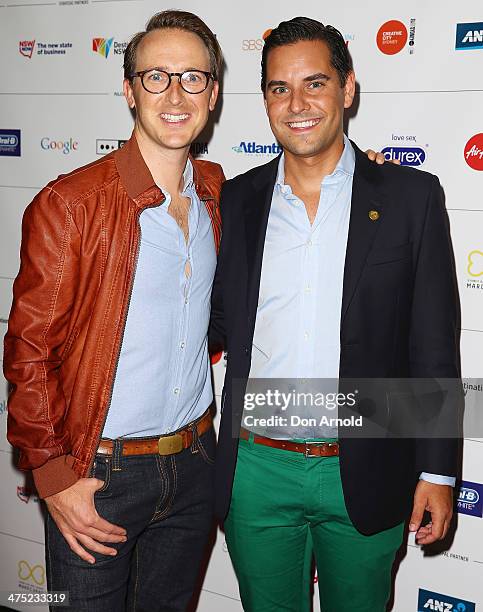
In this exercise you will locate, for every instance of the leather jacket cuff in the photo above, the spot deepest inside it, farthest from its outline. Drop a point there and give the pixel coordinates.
(54, 476)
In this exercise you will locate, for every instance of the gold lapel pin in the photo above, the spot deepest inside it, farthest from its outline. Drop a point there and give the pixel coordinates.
(373, 215)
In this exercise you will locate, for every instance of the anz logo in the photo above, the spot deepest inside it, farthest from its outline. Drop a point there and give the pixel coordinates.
(428, 600)
(469, 36)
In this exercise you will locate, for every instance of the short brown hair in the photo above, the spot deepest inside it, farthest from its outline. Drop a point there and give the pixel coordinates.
(176, 20)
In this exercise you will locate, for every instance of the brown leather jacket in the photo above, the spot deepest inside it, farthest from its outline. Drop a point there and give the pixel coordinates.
(80, 241)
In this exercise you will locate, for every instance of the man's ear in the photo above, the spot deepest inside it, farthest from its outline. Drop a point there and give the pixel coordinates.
(349, 89)
(128, 93)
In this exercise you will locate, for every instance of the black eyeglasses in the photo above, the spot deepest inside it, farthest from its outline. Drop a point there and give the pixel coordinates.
(155, 80)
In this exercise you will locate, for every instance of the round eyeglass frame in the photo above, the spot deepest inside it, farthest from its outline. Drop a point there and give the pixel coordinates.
(141, 74)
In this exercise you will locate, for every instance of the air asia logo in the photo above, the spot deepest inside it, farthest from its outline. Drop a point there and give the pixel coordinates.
(253, 148)
(33, 574)
(469, 36)
(27, 47)
(10, 143)
(407, 155)
(470, 498)
(106, 145)
(393, 35)
(429, 600)
(103, 46)
(62, 146)
(474, 152)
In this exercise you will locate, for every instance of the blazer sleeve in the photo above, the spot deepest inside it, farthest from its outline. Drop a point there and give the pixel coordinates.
(433, 336)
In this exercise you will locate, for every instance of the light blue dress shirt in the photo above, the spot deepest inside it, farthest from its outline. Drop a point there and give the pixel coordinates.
(297, 329)
(163, 378)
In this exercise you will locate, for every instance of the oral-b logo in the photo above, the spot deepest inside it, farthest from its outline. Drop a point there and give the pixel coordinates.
(408, 156)
(469, 36)
(470, 498)
(429, 600)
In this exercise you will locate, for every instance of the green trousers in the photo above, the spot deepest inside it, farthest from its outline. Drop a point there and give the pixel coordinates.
(286, 507)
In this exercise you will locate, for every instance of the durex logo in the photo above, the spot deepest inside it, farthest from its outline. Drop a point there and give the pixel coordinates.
(429, 600)
(469, 36)
(470, 498)
(408, 156)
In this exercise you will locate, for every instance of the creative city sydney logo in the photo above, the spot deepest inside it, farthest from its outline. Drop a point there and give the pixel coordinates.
(393, 36)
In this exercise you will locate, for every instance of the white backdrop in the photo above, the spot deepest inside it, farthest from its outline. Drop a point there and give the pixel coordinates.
(426, 99)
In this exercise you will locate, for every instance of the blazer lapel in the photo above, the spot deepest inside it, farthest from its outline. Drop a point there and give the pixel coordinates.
(257, 209)
(365, 219)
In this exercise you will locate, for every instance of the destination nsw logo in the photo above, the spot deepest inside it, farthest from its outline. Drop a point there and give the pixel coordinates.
(429, 600)
(254, 148)
(103, 46)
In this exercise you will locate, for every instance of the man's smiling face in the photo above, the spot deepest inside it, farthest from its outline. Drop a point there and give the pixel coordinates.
(304, 98)
(174, 118)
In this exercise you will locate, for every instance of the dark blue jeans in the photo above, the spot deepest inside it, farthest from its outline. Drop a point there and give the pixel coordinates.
(165, 504)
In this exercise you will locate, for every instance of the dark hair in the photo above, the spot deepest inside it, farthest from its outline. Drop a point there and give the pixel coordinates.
(176, 20)
(304, 28)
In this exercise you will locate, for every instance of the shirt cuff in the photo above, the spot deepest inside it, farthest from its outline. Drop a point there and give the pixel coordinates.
(438, 479)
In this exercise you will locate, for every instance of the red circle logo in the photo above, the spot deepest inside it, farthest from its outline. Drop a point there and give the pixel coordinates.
(215, 357)
(392, 37)
(474, 152)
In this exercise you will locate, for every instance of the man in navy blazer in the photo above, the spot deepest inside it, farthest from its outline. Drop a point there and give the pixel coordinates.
(330, 266)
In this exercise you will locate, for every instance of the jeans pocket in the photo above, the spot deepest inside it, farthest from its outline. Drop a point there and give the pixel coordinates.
(102, 471)
(207, 446)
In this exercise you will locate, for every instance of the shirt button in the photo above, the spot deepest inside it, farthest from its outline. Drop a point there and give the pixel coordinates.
(176, 391)
(309, 243)
(186, 301)
(307, 289)
(306, 335)
(182, 345)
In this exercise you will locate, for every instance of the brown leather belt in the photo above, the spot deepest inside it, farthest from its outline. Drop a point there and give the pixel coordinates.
(164, 445)
(309, 449)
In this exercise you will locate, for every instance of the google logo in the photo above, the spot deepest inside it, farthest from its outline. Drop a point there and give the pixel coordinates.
(65, 146)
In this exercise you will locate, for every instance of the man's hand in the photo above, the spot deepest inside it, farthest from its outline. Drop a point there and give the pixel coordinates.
(438, 500)
(75, 515)
(379, 157)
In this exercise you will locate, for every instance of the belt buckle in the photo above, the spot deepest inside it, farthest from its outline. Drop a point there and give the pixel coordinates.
(170, 445)
(308, 452)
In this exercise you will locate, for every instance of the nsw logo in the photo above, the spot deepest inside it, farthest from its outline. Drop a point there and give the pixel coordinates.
(429, 600)
(408, 156)
(469, 36)
(102, 46)
(10, 143)
(26, 47)
(470, 498)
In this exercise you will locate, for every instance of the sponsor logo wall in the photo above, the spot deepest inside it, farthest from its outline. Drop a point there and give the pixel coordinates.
(420, 81)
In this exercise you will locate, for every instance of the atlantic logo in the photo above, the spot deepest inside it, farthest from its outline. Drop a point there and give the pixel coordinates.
(470, 498)
(408, 156)
(430, 600)
(10, 143)
(469, 36)
(253, 148)
(102, 46)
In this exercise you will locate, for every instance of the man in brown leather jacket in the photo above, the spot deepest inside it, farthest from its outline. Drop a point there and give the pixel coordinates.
(106, 349)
